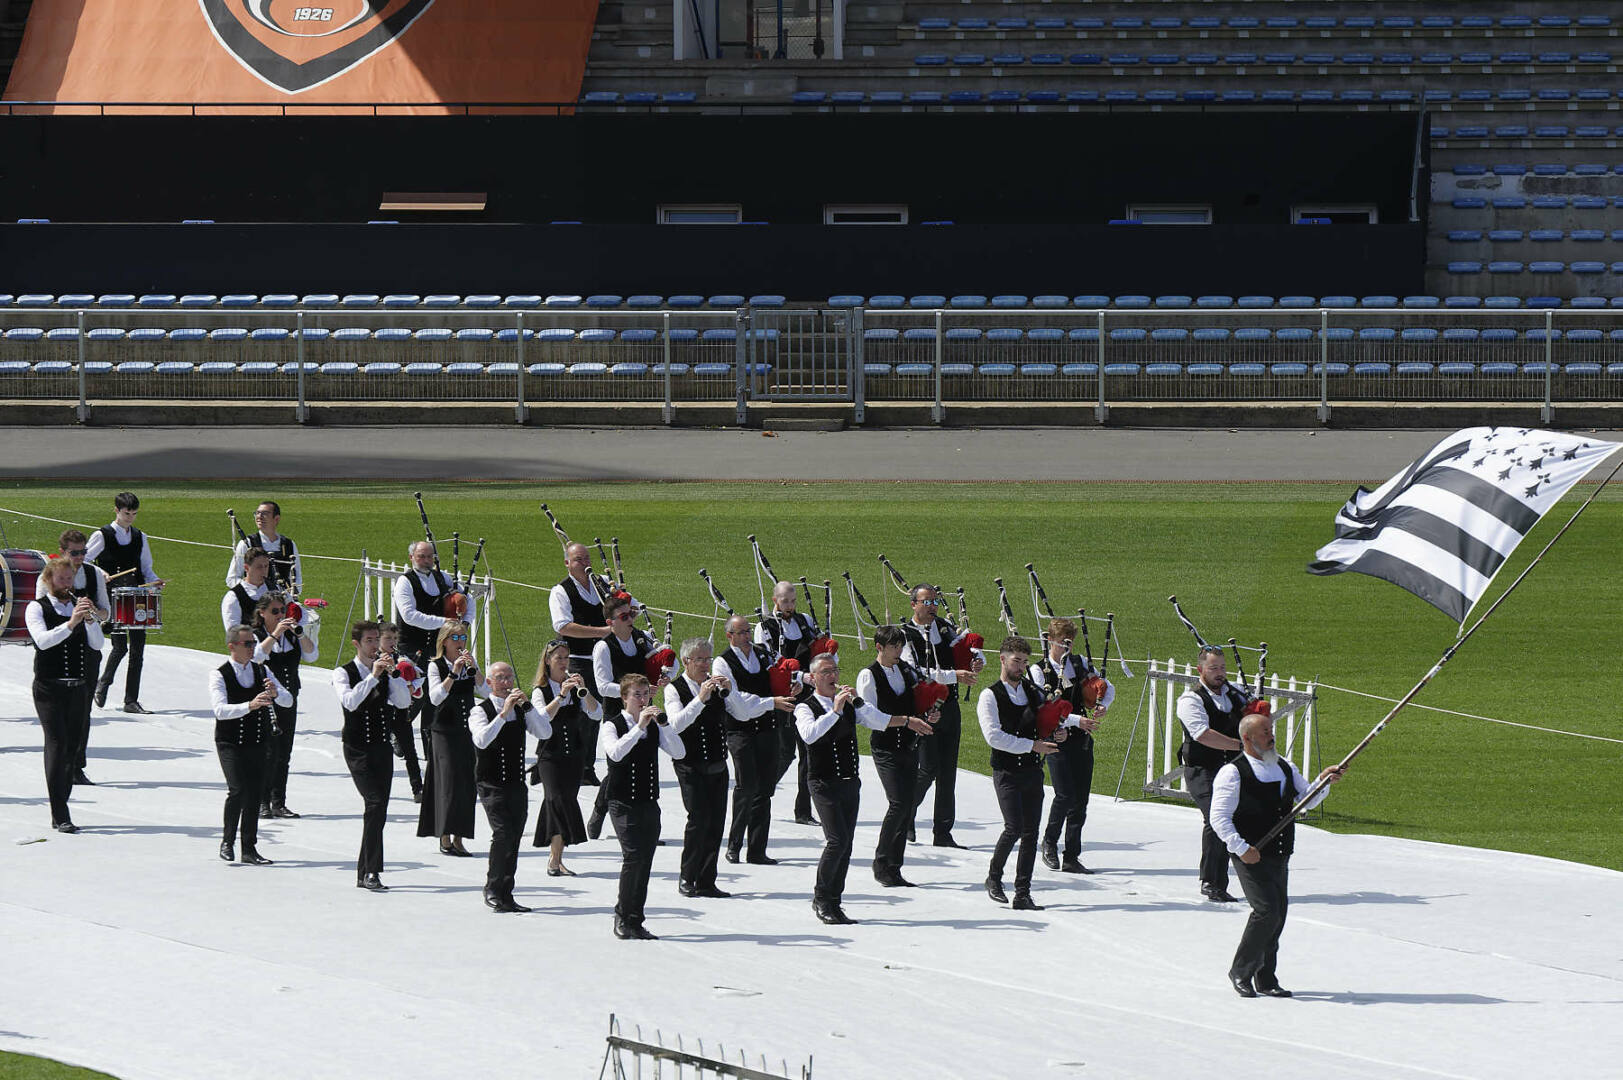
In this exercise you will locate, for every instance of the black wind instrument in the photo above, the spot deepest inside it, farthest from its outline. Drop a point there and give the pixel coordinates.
(856, 592)
(427, 532)
(715, 593)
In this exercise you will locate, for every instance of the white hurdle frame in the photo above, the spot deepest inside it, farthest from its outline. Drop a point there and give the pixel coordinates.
(1293, 702)
(378, 578)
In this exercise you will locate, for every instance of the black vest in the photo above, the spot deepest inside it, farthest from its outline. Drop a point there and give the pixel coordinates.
(1262, 805)
(1199, 755)
(565, 743)
(635, 777)
(834, 756)
(93, 589)
(414, 640)
(284, 664)
(623, 665)
(245, 605)
(584, 612)
(939, 655)
(68, 660)
(116, 558)
(889, 701)
(703, 739)
(798, 649)
(502, 762)
(253, 728)
(756, 682)
(1018, 720)
(452, 713)
(370, 723)
(280, 577)
(1077, 739)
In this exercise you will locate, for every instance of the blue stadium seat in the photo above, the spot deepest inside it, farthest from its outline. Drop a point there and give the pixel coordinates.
(1255, 302)
(1214, 301)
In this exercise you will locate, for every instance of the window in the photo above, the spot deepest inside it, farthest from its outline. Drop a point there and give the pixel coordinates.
(1334, 215)
(864, 215)
(701, 214)
(1171, 213)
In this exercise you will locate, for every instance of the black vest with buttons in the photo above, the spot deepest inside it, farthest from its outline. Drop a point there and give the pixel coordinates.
(583, 611)
(280, 577)
(116, 558)
(565, 744)
(253, 728)
(284, 664)
(635, 777)
(796, 649)
(938, 655)
(834, 756)
(1200, 756)
(1018, 720)
(623, 665)
(69, 659)
(94, 588)
(415, 641)
(703, 739)
(1262, 805)
(370, 723)
(896, 739)
(756, 682)
(245, 604)
(452, 713)
(502, 762)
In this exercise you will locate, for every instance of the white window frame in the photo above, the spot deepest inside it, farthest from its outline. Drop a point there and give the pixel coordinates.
(832, 210)
(1308, 210)
(734, 210)
(1137, 211)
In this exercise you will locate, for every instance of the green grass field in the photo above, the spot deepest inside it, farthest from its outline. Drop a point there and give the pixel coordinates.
(28, 1067)
(1234, 555)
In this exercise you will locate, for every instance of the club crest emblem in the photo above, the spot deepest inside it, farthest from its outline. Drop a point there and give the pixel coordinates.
(294, 46)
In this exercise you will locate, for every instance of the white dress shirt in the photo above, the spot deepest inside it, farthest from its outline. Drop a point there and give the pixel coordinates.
(269, 646)
(97, 543)
(615, 747)
(1226, 796)
(225, 710)
(484, 731)
(603, 665)
(231, 612)
(405, 601)
(813, 727)
(992, 730)
(1192, 711)
(753, 704)
(50, 639)
(593, 711)
(1036, 674)
(351, 697)
(562, 613)
(437, 693)
(932, 634)
(294, 573)
(681, 716)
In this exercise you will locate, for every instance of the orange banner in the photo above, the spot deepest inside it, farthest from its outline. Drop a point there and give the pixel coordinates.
(287, 53)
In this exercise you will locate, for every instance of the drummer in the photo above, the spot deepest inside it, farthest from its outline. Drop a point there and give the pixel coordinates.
(88, 582)
(122, 552)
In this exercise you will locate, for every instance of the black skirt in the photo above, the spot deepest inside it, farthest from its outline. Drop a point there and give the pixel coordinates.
(560, 803)
(449, 794)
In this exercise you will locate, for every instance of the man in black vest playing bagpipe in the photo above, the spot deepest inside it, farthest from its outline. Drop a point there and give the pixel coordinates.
(1008, 714)
(790, 635)
(121, 551)
(498, 724)
(239, 601)
(425, 599)
(941, 649)
(65, 635)
(1083, 687)
(752, 742)
(625, 651)
(1210, 714)
(242, 693)
(367, 690)
(1252, 794)
(828, 720)
(576, 607)
(698, 704)
(91, 584)
(286, 571)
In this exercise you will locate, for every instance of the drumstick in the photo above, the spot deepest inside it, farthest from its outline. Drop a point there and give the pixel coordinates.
(121, 573)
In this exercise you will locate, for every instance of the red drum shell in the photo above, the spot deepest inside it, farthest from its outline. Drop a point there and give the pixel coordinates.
(20, 571)
(136, 607)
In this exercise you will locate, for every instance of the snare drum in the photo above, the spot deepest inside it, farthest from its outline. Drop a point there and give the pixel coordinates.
(136, 607)
(19, 579)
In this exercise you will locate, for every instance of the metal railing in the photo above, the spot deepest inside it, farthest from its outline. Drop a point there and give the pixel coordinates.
(629, 1053)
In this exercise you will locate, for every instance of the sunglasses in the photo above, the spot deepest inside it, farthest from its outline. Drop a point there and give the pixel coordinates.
(277, 610)
(74, 551)
(556, 642)
(459, 637)
(250, 641)
(625, 616)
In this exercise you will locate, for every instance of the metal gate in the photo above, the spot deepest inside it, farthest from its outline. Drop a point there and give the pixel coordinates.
(800, 354)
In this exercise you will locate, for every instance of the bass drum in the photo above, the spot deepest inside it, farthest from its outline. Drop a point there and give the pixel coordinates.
(19, 580)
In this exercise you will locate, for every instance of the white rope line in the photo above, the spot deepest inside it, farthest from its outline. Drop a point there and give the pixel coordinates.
(1471, 716)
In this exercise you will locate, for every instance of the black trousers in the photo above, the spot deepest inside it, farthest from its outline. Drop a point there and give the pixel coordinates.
(372, 769)
(898, 772)
(938, 765)
(837, 802)
(791, 746)
(133, 642)
(637, 826)
(506, 807)
(704, 793)
(755, 761)
(84, 735)
(244, 769)
(62, 710)
(1266, 886)
(1071, 770)
(279, 754)
(401, 736)
(585, 726)
(1214, 857)
(1020, 798)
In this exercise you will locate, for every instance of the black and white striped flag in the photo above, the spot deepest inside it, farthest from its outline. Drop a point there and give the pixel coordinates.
(1444, 526)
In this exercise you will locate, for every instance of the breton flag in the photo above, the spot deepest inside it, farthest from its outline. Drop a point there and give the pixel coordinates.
(1444, 526)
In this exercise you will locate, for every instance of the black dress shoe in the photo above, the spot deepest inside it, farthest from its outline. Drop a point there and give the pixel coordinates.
(1218, 896)
(1051, 857)
(1272, 990)
(370, 883)
(761, 860)
(101, 696)
(509, 906)
(81, 780)
(559, 871)
(254, 858)
(622, 929)
(282, 812)
(1073, 865)
(265, 812)
(417, 796)
(687, 888)
(1024, 902)
(136, 707)
(731, 856)
(946, 840)
(712, 893)
(828, 913)
(1242, 986)
(806, 819)
(893, 881)
(639, 932)
(493, 902)
(65, 827)
(456, 852)
(994, 889)
(225, 851)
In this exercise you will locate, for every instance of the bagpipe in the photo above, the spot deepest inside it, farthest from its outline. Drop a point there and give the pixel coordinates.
(602, 584)
(1256, 702)
(823, 636)
(1094, 684)
(456, 601)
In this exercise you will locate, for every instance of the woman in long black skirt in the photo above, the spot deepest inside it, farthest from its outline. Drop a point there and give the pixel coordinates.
(449, 795)
(562, 700)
